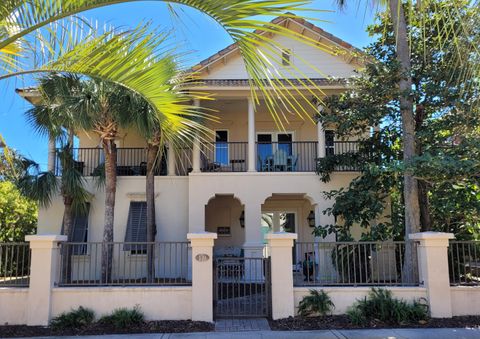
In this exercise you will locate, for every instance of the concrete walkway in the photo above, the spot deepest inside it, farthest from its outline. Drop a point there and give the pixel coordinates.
(434, 333)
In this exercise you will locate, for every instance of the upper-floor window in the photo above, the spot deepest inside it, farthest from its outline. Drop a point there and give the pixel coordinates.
(221, 147)
(329, 142)
(286, 57)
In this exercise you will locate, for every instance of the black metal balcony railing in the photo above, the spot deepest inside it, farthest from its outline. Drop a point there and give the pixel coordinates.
(296, 156)
(224, 157)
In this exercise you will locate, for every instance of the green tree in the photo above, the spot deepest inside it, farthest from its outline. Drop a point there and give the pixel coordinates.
(446, 116)
(18, 214)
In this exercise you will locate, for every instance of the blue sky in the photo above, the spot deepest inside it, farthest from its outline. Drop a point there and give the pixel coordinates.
(195, 33)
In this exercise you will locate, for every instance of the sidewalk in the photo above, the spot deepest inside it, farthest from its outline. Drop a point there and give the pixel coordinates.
(436, 333)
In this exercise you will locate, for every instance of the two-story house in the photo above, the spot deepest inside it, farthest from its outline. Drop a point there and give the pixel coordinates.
(251, 179)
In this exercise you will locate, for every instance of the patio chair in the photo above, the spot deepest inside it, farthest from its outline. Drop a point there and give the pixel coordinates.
(265, 166)
(280, 160)
(292, 163)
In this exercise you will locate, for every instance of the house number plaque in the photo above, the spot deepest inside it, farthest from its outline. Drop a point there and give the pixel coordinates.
(202, 257)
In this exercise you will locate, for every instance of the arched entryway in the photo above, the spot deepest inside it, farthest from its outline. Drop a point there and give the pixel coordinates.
(222, 216)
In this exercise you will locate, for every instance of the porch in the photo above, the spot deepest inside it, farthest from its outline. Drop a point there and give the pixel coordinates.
(221, 156)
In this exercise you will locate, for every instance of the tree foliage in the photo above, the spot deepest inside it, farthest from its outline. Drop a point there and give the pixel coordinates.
(18, 215)
(446, 132)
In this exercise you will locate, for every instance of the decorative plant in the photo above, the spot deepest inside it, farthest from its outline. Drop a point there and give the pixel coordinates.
(381, 305)
(78, 318)
(316, 303)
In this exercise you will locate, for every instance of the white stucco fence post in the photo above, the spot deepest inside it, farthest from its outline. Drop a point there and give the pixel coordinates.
(281, 244)
(43, 272)
(433, 271)
(202, 275)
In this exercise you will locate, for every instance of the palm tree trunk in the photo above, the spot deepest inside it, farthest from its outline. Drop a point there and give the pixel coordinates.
(412, 212)
(110, 151)
(67, 230)
(152, 154)
(51, 153)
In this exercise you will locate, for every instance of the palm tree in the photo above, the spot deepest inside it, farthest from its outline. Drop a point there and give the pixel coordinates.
(102, 107)
(128, 58)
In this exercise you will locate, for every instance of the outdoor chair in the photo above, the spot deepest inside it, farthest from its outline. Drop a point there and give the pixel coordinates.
(280, 160)
(292, 163)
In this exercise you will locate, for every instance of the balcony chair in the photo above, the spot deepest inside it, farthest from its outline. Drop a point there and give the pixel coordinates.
(280, 160)
(292, 163)
(265, 166)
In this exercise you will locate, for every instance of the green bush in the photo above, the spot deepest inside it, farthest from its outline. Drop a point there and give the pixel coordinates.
(379, 304)
(124, 317)
(317, 303)
(78, 318)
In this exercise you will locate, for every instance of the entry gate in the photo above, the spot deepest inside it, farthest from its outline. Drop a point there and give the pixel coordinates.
(242, 287)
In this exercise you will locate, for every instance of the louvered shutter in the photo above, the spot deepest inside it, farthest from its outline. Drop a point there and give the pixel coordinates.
(80, 231)
(136, 227)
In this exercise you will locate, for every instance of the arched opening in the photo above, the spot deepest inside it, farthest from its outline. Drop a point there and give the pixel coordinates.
(223, 216)
(288, 213)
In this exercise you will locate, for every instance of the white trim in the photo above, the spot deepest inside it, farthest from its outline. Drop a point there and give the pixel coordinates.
(274, 135)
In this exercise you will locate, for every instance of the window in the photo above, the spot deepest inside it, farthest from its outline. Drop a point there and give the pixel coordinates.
(136, 228)
(286, 57)
(329, 142)
(221, 147)
(285, 143)
(79, 231)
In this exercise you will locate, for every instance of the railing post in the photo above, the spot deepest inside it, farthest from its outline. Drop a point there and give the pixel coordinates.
(433, 271)
(43, 271)
(202, 275)
(281, 244)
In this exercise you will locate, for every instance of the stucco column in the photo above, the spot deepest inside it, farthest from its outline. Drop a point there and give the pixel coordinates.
(251, 136)
(321, 140)
(43, 271)
(281, 244)
(202, 275)
(171, 160)
(253, 246)
(196, 147)
(433, 270)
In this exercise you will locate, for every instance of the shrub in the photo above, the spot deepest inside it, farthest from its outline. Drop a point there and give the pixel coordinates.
(124, 317)
(78, 318)
(379, 304)
(317, 303)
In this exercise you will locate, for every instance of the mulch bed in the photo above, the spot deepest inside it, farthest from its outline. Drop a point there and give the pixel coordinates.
(343, 322)
(166, 326)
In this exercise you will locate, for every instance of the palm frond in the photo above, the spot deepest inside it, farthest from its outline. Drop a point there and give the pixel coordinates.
(235, 16)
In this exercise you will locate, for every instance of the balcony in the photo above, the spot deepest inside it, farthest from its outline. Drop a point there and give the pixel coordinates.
(296, 156)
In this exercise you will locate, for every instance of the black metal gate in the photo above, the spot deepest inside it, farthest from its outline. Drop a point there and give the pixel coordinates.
(242, 287)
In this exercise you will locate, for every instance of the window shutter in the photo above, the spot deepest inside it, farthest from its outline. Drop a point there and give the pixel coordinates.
(136, 226)
(80, 231)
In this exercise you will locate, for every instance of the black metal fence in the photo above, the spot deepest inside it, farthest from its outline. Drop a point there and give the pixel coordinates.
(464, 263)
(242, 287)
(132, 263)
(14, 264)
(130, 162)
(352, 264)
(342, 147)
(224, 157)
(297, 156)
